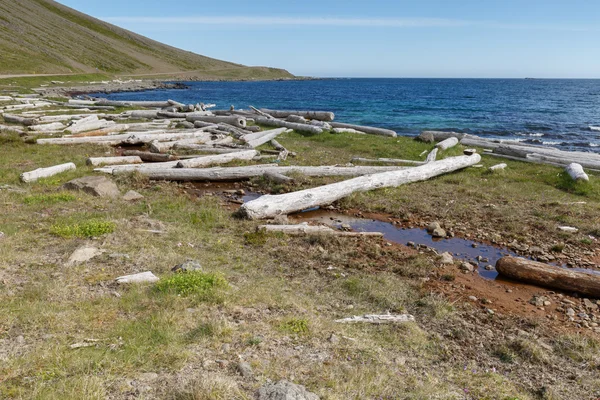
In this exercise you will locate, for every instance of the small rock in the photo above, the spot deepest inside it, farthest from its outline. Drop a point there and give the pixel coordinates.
(132, 195)
(426, 137)
(99, 186)
(570, 312)
(489, 267)
(346, 227)
(410, 244)
(465, 266)
(569, 229)
(226, 348)
(245, 370)
(284, 390)
(472, 298)
(142, 277)
(490, 311)
(433, 226)
(334, 338)
(589, 304)
(438, 233)
(281, 220)
(83, 254)
(189, 265)
(540, 301)
(446, 258)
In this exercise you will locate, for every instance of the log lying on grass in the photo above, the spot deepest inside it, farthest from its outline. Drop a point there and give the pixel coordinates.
(104, 131)
(366, 129)
(386, 160)
(549, 276)
(46, 172)
(447, 143)
(129, 138)
(55, 126)
(147, 156)
(576, 172)
(238, 122)
(318, 115)
(217, 159)
(260, 138)
(276, 177)
(304, 229)
(97, 161)
(290, 125)
(431, 157)
(378, 319)
(16, 119)
(550, 155)
(242, 173)
(270, 206)
(439, 136)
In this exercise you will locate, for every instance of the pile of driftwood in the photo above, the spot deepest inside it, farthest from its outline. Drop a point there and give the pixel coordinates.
(572, 161)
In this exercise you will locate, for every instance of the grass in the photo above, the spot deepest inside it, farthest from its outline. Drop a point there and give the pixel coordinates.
(277, 305)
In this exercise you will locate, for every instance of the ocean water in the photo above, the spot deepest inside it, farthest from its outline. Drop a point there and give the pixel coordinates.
(560, 113)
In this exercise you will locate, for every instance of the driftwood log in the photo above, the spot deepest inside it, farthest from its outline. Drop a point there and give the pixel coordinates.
(16, 119)
(386, 161)
(217, 159)
(46, 172)
(431, 157)
(318, 115)
(290, 125)
(260, 138)
(549, 276)
(366, 129)
(276, 177)
(98, 161)
(238, 122)
(447, 143)
(304, 229)
(54, 126)
(149, 157)
(270, 206)
(576, 172)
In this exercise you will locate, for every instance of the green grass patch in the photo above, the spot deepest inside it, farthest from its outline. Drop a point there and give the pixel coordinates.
(53, 198)
(296, 326)
(199, 283)
(87, 229)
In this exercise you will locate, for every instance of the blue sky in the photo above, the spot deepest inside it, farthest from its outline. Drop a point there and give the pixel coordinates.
(376, 38)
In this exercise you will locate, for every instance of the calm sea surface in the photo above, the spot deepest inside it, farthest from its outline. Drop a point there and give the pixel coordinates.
(561, 113)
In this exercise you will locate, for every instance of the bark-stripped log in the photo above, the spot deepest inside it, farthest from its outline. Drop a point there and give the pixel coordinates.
(55, 126)
(260, 138)
(366, 129)
(46, 172)
(386, 161)
(318, 115)
(447, 143)
(549, 276)
(217, 159)
(576, 172)
(105, 131)
(238, 122)
(347, 130)
(277, 177)
(304, 229)
(16, 119)
(149, 157)
(98, 161)
(439, 136)
(203, 148)
(498, 167)
(243, 173)
(128, 138)
(270, 206)
(289, 125)
(431, 157)
(144, 114)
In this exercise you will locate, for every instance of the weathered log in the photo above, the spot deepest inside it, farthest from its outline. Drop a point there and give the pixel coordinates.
(290, 125)
(167, 114)
(386, 160)
(239, 122)
(270, 206)
(261, 113)
(431, 157)
(105, 108)
(144, 114)
(283, 152)
(88, 125)
(149, 157)
(347, 130)
(253, 128)
(128, 138)
(366, 129)
(318, 115)
(576, 172)
(447, 143)
(202, 124)
(203, 148)
(549, 276)
(16, 119)
(497, 167)
(259, 138)
(276, 177)
(297, 119)
(46, 172)
(55, 126)
(304, 229)
(217, 159)
(98, 161)
(104, 131)
(439, 136)
(243, 173)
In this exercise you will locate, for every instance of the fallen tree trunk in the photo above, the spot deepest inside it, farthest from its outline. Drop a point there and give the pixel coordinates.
(576, 172)
(318, 115)
(270, 206)
(431, 157)
(238, 122)
(304, 229)
(16, 119)
(46, 172)
(447, 143)
(366, 129)
(259, 138)
(439, 136)
(276, 177)
(147, 156)
(290, 125)
(242, 173)
(203, 148)
(55, 126)
(144, 114)
(217, 159)
(105, 131)
(386, 160)
(549, 276)
(347, 130)
(378, 319)
(98, 161)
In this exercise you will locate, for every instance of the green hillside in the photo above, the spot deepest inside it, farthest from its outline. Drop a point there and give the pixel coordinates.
(45, 37)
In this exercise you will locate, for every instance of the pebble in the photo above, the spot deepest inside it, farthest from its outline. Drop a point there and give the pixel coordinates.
(334, 338)
(446, 258)
(589, 304)
(465, 266)
(489, 267)
(472, 298)
(570, 312)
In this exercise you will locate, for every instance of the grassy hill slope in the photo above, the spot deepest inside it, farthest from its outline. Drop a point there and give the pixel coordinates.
(45, 37)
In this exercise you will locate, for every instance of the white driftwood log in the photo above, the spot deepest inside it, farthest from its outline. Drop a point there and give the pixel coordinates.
(498, 167)
(46, 172)
(217, 159)
(111, 130)
(242, 173)
(386, 160)
(304, 229)
(260, 138)
(318, 115)
(238, 122)
(439, 136)
(129, 138)
(446, 144)
(290, 125)
(276, 177)
(576, 172)
(378, 319)
(203, 148)
(432, 155)
(16, 119)
(366, 129)
(150, 157)
(270, 206)
(347, 130)
(55, 126)
(97, 161)
(142, 277)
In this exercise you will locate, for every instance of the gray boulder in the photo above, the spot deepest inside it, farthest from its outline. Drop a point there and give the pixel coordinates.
(99, 186)
(188, 266)
(284, 390)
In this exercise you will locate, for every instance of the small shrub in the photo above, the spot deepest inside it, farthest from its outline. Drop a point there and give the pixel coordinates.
(192, 283)
(258, 238)
(448, 277)
(254, 341)
(505, 354)
(49, 198)
(88, 229)
(296, 326)
(558, 248)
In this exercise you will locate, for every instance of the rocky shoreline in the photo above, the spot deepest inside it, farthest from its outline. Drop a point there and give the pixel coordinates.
(108, 87)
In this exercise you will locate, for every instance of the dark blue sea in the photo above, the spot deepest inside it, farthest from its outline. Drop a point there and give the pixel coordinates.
(561, 113)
